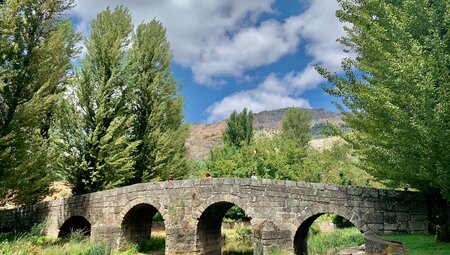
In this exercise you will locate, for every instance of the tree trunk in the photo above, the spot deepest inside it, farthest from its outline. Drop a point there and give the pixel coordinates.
(439, 216)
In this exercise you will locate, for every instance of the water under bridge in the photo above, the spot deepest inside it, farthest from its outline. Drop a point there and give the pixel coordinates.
(281, 212)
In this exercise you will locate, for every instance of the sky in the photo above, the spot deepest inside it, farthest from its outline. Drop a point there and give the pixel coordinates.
(227, 55)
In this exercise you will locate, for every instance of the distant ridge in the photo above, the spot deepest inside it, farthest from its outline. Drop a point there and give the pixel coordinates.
(204, 137)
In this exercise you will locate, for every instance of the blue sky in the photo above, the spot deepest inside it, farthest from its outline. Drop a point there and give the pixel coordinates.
(232, 54)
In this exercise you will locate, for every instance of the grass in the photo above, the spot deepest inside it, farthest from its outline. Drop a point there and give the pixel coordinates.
(156, 245)
(419, 244)
(35, 244)
(332, 242)
(237, 241)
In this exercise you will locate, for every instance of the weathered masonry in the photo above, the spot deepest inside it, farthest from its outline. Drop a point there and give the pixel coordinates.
(281, 212)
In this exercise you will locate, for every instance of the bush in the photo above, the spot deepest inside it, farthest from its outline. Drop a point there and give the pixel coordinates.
(341, 222)
(245, 234)
(236, 214)
(158, 217)
(314, 230)
(156, 243)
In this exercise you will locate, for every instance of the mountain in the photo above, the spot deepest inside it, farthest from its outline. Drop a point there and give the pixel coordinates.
(204, 137)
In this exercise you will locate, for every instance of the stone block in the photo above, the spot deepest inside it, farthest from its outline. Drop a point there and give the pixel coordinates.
(419, 217)
(354, 191)
(390, 227)
(395, 194)
(390, 217)
(372, 217)
(401, 207)
(420, 226)
(376, 227)
(368, 192)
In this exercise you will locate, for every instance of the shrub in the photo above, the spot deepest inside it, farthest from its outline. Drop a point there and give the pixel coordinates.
(245, 233)
(341, 222)
(314, 230)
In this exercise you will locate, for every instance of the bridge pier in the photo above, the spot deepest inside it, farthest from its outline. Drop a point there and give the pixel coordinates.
(268, 237)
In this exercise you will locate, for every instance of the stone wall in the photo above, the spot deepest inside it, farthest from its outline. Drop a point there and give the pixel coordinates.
(377, 246)
(279, 211)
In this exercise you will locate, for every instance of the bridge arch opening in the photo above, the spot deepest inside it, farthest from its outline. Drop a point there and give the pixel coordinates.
(75, 224)
(324, 227)
(139, 221)
(212, 233)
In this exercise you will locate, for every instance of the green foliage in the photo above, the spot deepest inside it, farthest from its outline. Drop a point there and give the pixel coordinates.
(34, 243)
(341, 222)
(296, 126)
(314, 230)
(157, 106)
(36, 46)
(236, 213)
(239, 130)
(269, 157)
(158, 217)
(276, 250)
(100, 153)
(332, 242)
(245, 234)
(123, 123)
(336, 165)
(398, 89)
(153, 244)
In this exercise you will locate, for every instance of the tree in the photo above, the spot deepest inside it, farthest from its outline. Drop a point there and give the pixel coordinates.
(270, 157)
(239, 130)
(157, 105)
(335, 165)
(296, 126)
(397, 90)
(99, 142)
(36, 46)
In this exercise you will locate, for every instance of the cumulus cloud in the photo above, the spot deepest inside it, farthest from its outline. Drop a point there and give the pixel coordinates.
(318, 28)
(215, 39)
(273, 93)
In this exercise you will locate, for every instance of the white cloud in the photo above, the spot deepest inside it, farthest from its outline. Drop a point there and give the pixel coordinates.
(215, 39)
(256, 100)
(319, 28)
(221, 39)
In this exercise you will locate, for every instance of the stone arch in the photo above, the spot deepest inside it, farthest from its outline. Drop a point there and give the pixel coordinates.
(309, 215)
(136, 220)
(223, 198)
(75, 224)
(210, 216)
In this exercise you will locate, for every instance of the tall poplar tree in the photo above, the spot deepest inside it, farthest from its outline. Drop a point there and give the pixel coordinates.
(36, 46)
(157, 105)
(100, 145)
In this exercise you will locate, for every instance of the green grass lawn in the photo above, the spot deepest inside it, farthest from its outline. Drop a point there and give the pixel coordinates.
(419, 244)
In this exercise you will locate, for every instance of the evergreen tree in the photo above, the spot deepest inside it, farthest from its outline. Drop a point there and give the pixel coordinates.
(36, 46)
(296, 126)
(157, 106)
(239, 130)
(100, 145)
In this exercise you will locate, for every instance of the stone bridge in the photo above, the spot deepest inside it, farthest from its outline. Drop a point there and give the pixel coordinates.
(281, 212)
